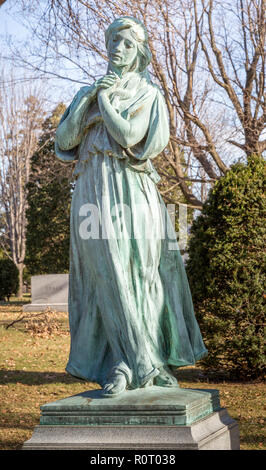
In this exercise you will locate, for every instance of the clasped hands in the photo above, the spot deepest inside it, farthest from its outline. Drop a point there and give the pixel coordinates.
(102, 85)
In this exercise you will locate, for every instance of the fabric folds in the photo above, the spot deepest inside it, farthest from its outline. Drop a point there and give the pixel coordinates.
(130, 305)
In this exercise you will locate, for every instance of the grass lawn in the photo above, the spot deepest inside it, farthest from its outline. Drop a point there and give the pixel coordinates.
(33, 355)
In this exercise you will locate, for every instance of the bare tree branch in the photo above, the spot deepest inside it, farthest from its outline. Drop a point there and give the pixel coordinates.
(207, 57)
(20, 119)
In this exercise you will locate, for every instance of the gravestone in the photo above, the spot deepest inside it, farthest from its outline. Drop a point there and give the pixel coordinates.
(48, 291)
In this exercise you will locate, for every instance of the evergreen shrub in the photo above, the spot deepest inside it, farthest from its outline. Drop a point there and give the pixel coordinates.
(226, 270)
(9, 278)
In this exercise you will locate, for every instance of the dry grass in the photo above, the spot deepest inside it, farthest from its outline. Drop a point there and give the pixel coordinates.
(33, 356)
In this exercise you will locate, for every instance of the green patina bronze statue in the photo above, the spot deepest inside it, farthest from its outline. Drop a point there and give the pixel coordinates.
(130, 308)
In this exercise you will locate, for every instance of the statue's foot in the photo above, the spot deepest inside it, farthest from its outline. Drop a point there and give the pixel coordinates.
(165, 378)
(116, 384)
(147, 381)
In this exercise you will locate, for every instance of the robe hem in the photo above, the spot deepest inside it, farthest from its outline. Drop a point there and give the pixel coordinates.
(170, 362)
(184, 363)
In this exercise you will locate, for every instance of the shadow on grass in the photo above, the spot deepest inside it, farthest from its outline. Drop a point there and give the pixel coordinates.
(187, 375)
(36, 378)
(16, 302)
(196, 374)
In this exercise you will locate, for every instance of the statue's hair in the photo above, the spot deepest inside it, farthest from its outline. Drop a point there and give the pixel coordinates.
(138, 32)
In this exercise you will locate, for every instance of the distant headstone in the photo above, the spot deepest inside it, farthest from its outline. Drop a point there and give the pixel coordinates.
(48, 290)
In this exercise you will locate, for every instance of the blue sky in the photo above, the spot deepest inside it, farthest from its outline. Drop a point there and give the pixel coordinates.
(12, 27)
(9, 24)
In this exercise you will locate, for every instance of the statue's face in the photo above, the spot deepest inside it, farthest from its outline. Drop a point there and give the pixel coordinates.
(122, 48)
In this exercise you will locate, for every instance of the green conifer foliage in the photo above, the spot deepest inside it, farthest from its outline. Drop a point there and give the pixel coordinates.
(8, 278)
(226, 270)
(49, 199)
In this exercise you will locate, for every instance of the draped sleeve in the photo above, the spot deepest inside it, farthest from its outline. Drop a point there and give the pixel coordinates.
(157, 136)
(155, 141)
(71, 127)
(133, 97)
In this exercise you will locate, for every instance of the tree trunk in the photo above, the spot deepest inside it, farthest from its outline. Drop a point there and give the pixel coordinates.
(20, 267)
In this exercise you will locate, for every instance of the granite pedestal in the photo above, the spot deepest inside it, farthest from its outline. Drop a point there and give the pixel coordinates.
(146, 418)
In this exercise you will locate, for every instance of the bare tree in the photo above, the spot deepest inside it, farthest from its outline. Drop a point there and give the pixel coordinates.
(237, 64)
(21, 113)
(207, 57)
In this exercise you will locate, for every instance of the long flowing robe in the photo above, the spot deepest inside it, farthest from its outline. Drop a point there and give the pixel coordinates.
(130, 305)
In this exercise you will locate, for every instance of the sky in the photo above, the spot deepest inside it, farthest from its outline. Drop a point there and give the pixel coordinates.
(56, 89)
(9, 24)
(11, 27)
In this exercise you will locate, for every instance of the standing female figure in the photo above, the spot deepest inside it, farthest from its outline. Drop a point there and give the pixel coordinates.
(130, 308)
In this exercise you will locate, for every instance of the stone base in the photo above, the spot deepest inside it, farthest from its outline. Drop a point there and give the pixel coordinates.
(215, 432)
(41, 307)
(148, 418)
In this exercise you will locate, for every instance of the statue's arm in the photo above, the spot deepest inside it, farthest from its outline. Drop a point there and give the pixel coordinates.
(70, 130)
(127, 132)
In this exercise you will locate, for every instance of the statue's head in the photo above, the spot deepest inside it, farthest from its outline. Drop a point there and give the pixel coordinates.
(126, 42)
